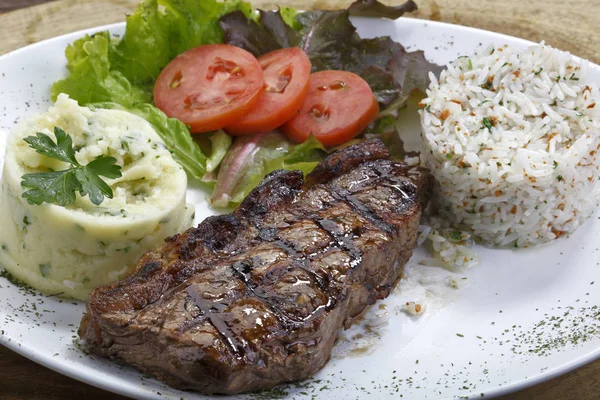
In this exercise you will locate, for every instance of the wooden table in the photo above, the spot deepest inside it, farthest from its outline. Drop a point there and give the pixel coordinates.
(570, 26)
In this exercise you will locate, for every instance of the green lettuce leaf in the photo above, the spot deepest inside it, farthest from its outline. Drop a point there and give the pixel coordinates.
(302, 157)
(288, 14)
(90, 76)
(173, 132)
(191, 23)
(250, 158)
(145, 47)
(220, 142)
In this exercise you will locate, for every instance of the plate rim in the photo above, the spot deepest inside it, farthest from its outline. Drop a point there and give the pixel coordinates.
(72, 370)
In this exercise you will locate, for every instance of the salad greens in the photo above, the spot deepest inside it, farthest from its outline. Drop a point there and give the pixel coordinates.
(252, 157)
(119, 73)
(60, 187)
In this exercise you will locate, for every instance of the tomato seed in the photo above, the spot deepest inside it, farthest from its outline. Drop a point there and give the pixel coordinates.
(226, 67)
(176, 80)
(319, 114)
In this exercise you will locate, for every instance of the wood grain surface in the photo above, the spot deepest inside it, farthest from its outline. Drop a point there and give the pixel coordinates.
(572, 26)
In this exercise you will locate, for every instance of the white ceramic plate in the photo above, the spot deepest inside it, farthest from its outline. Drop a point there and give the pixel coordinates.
(518, 318)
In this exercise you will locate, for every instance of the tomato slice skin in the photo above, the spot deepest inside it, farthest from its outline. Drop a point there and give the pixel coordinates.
(339, 106)
(286, 72)
(209, 86)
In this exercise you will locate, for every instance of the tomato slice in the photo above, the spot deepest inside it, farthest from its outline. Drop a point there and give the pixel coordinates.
(339, 106)
(286, 73)
(209, 87)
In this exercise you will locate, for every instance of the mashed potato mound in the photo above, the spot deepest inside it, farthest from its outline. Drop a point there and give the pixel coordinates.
(70, 250)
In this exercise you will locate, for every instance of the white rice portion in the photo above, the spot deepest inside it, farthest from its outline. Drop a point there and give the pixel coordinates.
(512, 137)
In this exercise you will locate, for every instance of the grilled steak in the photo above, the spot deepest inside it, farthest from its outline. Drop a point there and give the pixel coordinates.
(254, 298)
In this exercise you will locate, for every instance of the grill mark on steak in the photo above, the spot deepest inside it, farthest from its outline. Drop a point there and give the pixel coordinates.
(342, 241)
(288, 248)
(213, 312)
(242, 269)
(255, 298)
(364, 210)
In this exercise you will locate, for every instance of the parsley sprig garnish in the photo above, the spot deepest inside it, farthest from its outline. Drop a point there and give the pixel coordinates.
(60, 187)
